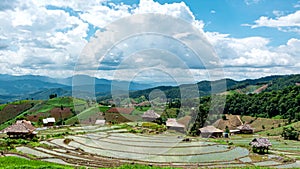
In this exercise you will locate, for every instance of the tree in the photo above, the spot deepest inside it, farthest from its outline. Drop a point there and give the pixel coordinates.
(199, 118)
(51, 96)
(227, 129)
(290, 133)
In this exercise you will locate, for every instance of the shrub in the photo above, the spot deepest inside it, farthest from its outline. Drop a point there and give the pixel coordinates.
(67, 140)
(290, 133)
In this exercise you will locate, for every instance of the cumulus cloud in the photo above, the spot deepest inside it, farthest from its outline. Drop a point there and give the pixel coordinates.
(47, 37)
(287, 23)
(253, 57)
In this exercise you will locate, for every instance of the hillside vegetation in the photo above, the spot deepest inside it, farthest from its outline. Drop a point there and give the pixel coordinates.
(61, 108)
(9, 111)
(204, 88)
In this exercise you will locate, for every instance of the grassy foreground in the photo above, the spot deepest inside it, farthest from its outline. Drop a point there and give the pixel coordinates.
(20, 163)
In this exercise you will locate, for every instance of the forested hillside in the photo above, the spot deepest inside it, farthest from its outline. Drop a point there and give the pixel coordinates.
(204, 88)
(279, 104)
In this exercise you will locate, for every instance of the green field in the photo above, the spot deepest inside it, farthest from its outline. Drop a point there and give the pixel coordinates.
(20, 163)
(115, 147)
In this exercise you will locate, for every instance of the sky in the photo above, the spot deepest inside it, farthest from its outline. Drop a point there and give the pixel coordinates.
(250, 38)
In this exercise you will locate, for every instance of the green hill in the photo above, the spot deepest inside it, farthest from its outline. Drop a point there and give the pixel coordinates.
(11, 110)
(204, 88)
(61, 108)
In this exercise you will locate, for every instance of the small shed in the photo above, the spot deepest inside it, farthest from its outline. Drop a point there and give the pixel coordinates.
(100, 122)
(150, 115)
(210, 131)
(245, 129)
(260, 145)
(172, 124)
(49, 121)
(21, 129)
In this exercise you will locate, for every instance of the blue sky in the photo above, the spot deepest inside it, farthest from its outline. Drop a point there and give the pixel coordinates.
(251, 38)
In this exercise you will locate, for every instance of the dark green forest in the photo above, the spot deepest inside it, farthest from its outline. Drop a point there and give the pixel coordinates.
(279, 104)
(283, 103)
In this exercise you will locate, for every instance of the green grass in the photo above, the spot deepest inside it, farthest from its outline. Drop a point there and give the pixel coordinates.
(45, 106)
(278, 130)
(137, 166)
(2, 106)
(103, 108)
(66, 101)
(20, 163)
(83, 115)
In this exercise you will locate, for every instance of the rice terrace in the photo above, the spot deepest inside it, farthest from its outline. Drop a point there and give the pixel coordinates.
(149, 84)
(96, 135)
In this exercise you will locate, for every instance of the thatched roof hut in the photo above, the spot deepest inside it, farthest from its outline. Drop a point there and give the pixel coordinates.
(150, 115)
(172, 124)
(246, 129)
(231, 121)
(21, 128)
(185, 121)
(210, 131)
(260, 145)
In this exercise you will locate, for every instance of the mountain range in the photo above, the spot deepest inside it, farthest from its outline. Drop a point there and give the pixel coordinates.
(40, 87)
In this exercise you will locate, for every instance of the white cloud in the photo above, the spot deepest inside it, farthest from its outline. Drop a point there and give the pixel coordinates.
(297, 5)
(251, 2)
(286, 23)
(37, 40)
(213, 12)
(278, 13)
(253, 52)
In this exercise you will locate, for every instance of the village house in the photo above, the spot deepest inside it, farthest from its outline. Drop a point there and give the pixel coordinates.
(259, 145)
(210, 131)
(21, 129)
(172, 124)
(245, 129)
(100, 122)
(49, 121)
(150, 115)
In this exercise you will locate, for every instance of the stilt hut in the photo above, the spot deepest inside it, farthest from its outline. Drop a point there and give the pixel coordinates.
(21, 129)
(260, 145)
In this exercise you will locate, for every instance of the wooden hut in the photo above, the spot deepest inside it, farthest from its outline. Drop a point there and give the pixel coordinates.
(210, 131)
(260, 145)
(150, 115)
(245, 129)
(21, 129)
(172, 124)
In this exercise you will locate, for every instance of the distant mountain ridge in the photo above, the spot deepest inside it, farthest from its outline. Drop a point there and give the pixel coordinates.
(275, 82)
(40, 87)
